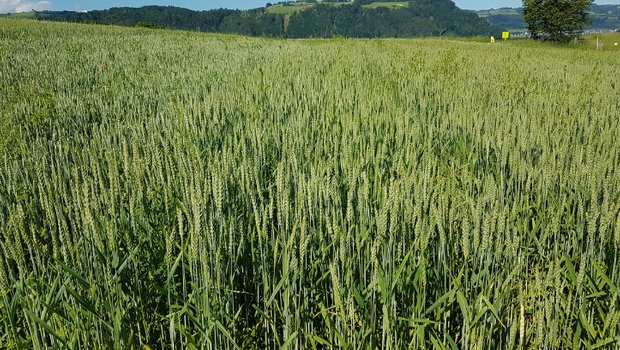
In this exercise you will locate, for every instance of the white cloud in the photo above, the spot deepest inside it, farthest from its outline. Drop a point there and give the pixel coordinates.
(11, 6)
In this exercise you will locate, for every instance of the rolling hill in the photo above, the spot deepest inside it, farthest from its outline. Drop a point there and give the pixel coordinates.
(358, 19)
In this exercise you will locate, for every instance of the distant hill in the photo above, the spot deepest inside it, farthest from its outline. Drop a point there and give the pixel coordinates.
(606, 17)
(301, 19)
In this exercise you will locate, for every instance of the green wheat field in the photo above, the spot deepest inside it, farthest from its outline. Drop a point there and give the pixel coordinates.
(174, 190)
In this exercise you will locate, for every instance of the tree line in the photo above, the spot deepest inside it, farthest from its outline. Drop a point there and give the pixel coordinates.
(253, 22)
(420, 18)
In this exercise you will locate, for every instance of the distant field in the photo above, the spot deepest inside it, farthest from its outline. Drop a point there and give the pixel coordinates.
(291, 8)
(179, 190)
(393, 5)
(495, 12)
(22, 15)
(609, 41)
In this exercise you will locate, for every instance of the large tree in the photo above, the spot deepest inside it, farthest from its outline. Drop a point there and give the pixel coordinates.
(556, 19)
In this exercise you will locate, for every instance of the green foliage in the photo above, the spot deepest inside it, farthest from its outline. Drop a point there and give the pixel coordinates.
(556, 19)
(176, 190)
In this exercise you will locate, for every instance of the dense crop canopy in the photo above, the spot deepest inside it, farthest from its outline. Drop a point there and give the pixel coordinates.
(182, 190)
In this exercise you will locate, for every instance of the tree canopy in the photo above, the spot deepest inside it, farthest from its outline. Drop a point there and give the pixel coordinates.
(556, 19)
(419, 18)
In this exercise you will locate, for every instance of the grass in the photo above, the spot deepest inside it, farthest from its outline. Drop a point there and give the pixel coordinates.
(609, 41)
(390, 5)
(289, 9)
(177, 190)
(295, 7)
(21, 15)
(497, 12)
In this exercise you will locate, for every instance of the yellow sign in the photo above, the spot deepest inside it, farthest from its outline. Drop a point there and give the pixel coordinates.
(505, 35)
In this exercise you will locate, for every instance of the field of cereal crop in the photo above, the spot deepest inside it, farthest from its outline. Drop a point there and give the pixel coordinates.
(175, 190)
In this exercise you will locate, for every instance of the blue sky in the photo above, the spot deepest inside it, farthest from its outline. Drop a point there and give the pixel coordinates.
(26, 5)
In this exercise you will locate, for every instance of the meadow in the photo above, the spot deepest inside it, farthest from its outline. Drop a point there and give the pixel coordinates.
(296, 7)
(175, 190)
